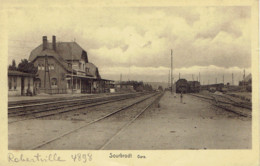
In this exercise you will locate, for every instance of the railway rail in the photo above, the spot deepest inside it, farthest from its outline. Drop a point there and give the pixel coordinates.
(126, 121)
(57, 99)
(227, 104)
(33, 111)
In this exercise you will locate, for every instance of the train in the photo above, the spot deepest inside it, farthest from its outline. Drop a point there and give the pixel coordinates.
(214, 87)
(184, 86)
(193, 86)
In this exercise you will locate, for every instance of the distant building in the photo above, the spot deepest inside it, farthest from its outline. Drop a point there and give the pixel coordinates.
(63, 67)
(246, 83)
(20, 83)
(124, 87)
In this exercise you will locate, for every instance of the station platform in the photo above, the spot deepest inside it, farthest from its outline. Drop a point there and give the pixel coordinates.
(193, 124)
(42, 97)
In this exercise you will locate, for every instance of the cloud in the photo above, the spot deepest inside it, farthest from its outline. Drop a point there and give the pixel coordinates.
(141, 37)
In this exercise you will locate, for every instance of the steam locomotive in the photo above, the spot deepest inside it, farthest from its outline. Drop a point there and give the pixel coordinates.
(184, 86)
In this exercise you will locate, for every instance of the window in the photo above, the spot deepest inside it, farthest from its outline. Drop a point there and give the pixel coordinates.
(51, 67)
(15, 83)
(83, 68)
(39, 67)
(10, 83)
(29, 83)
(42, 67)
(53, 82)
(78, 84)
(38, 83)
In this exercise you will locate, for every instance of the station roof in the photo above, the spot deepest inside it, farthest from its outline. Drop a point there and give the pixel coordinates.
(67, 50)
(80, 76)
(88, 77)
(19, 73)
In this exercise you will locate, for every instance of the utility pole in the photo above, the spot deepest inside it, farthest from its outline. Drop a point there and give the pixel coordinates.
(72, 74)
(244, 81)
(216, 80)
(232, 79)
(169, 77)
(244, 76)
(171, 71)
(223, 79)
(179, 75)
(120, 78)
(199, 76)
(46, 70)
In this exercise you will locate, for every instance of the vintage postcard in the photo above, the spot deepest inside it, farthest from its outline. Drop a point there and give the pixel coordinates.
(129, 83)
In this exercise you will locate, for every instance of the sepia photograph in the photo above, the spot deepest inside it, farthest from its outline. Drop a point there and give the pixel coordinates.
(133, 77)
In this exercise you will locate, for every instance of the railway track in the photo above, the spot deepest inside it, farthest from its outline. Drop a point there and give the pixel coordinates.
(28, 105)
(127, 115)
(58, 99)
(33, 111)
(227, 104)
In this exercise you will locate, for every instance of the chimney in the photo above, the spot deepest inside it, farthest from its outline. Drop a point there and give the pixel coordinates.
(54, 43)
(44, 42)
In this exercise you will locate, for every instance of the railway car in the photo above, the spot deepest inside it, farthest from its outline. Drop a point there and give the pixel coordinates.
(214, 87)
(182, 86)
(193, 87)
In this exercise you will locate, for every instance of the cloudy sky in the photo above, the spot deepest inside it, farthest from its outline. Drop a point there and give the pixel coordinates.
(137, 41)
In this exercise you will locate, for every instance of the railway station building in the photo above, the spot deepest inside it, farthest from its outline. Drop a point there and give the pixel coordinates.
(63, 67)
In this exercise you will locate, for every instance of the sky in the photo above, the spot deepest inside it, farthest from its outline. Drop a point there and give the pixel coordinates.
(137, 41)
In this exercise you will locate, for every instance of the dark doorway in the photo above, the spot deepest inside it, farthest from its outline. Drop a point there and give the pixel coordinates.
(22, 86)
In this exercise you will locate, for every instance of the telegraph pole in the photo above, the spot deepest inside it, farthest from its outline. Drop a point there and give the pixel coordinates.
(244, 76)
(244, 83)
(171, 71)
(223, 79)
(232, 79)
(169, 78)
(46, 70)
(72, 74)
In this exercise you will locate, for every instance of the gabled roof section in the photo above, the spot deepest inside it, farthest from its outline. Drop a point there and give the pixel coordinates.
(70, 50)
(53, 54)
(66, 50)
(92, 70)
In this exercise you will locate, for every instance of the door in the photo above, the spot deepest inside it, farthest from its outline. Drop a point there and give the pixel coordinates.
(22, 86)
